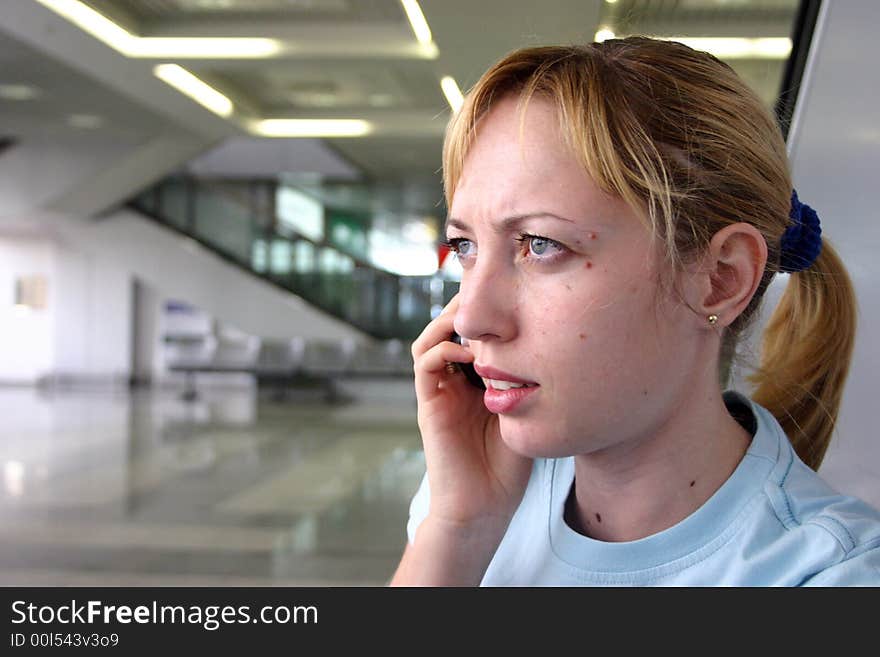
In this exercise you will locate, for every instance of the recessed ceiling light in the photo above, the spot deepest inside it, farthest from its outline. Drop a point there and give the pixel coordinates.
(18, 92)
(85, 121)
(311, 127)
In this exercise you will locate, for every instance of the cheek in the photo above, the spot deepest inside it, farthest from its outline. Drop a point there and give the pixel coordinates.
(601, 328)
(561, 333)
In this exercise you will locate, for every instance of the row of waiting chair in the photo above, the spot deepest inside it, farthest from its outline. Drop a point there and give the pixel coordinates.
(288, 362)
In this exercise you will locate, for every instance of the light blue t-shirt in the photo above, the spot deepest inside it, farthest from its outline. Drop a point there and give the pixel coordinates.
(774, 522)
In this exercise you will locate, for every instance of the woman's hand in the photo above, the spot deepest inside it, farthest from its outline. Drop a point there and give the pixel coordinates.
(476, 481)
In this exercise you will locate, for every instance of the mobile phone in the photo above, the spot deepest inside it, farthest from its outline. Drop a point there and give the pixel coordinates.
(468, 368)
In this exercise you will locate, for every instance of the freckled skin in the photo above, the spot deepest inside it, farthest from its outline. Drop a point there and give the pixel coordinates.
(519, 315)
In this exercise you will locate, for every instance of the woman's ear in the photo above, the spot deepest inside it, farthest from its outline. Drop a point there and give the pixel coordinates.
(730, 272)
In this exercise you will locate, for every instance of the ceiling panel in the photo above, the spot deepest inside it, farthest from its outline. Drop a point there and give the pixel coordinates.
(145, 16)
(283, 88)
(59, 99)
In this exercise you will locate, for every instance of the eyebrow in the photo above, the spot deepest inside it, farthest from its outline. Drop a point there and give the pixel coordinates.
(506, 223)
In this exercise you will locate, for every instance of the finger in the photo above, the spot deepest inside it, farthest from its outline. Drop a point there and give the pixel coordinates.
(452, 305)
(438, 330)
(430, 367)
(434, 360)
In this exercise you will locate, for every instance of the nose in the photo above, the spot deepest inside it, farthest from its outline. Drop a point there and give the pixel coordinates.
(486, 304)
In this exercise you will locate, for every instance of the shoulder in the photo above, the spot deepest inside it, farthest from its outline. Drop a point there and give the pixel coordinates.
(836, 537)
(843, 528)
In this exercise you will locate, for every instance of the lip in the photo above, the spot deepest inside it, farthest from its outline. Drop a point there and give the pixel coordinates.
(504, 401)
(488, 372)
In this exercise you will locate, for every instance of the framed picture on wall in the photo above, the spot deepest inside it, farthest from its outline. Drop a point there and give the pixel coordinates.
(30, 291)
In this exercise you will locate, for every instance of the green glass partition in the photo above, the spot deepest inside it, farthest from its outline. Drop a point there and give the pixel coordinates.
(321, 271)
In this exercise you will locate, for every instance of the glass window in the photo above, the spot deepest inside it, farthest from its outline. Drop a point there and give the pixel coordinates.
(300, 212)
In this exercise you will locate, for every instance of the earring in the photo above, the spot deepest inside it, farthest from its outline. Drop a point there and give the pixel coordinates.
(713, 319)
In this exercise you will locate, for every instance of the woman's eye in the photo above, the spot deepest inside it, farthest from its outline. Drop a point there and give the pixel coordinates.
(540, 247)
(461, 246)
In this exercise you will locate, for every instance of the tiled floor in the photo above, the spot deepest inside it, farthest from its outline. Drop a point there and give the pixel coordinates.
(112, 488)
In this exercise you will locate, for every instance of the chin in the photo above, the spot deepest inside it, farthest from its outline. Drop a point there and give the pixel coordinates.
(532, 442)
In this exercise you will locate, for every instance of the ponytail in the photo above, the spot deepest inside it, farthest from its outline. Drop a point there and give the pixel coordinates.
(806, 352)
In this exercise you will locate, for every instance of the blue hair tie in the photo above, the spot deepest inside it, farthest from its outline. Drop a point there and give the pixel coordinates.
(802, 241)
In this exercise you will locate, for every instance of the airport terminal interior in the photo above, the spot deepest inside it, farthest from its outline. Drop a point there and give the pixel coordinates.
(220, 232)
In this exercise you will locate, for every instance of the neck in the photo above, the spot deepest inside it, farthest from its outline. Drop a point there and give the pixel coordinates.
(651, 482)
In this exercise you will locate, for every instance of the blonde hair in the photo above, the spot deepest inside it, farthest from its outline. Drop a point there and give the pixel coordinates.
(691, 148)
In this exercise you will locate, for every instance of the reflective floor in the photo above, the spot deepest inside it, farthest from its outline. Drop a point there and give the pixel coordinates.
(234, 488)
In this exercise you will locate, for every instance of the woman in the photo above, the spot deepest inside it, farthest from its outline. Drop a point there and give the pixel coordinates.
(619, 210)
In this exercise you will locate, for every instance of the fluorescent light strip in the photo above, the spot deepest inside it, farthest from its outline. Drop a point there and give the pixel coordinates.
(739, 48)
(215, 47)
(725, 47)
(452, 92)
(105, 30)
(312, 127)
(417, 20)
(89, 20)
(188, 84)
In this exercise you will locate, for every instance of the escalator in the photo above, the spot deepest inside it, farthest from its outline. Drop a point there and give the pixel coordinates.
(340, 283)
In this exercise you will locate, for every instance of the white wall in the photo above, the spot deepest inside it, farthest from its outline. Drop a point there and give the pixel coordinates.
(85, 329)
(26, 337)
(93, 316)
